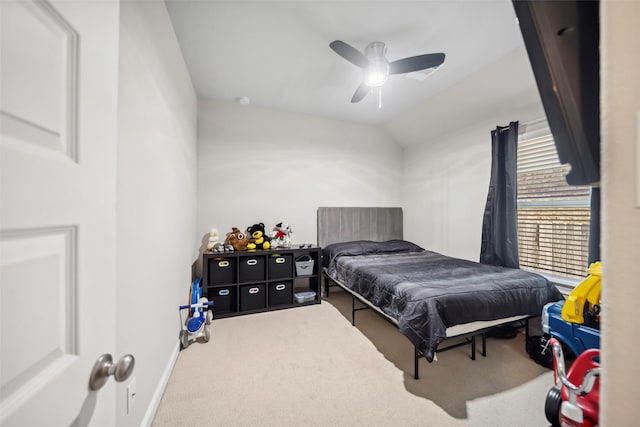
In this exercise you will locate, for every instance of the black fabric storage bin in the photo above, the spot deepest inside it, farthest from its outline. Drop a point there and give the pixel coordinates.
(224, 299)
(252, 269)
(252, 297)
(280, 266)
(280, 293)
(221, 271)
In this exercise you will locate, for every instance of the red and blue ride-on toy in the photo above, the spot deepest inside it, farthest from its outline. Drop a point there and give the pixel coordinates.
(574, 399)
(572, 325)
(199, 319)
(575, 323)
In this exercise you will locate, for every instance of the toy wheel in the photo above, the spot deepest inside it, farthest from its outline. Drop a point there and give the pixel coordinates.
(207, 333)
(209, 317)
(552, 406)
(184, 339)
(539, 350)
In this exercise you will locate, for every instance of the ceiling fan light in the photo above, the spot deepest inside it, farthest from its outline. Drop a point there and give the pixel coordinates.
(376, 73)
(374, 79)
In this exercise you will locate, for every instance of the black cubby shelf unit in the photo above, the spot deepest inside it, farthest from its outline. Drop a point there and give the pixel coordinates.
(245, 282)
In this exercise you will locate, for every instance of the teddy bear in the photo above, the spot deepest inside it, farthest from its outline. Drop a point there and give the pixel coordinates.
(258, 236)
(281, 235)
(238, 240)
(214, 244)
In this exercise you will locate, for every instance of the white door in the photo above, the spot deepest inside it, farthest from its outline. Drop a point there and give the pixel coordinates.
(58, 113)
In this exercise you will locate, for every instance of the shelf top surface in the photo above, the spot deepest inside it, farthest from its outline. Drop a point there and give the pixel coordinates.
(265, 252)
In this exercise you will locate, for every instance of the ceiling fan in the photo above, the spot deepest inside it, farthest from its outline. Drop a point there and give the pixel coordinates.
(375, 66)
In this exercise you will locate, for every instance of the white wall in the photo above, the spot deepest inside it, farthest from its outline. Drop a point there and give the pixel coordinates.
(447, 162)
(445, 190)
(620, 107)
(156, 199)
(260, 165)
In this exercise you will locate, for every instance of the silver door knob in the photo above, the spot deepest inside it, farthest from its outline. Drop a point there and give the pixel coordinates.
(104, 367)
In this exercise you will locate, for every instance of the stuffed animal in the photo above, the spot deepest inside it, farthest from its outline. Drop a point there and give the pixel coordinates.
(214, 244)
(281, 235)
(258, 236)
(238, 240)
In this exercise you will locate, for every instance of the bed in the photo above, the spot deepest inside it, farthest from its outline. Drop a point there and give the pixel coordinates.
(430, 297)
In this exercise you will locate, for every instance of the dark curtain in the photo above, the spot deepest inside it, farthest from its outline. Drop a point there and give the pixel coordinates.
(594, 227)
(500, 223)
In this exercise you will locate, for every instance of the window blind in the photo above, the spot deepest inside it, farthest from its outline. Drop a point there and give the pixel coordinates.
(553, 217)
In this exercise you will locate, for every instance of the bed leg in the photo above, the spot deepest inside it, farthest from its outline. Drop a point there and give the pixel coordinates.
(484, 344)
(415, 363)
(473, 347)
(353, 310)
(325, 282)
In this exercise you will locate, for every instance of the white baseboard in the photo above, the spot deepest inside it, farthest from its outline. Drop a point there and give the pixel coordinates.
(162, 384)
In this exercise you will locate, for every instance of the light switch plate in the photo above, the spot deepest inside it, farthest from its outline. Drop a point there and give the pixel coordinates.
(131, 394)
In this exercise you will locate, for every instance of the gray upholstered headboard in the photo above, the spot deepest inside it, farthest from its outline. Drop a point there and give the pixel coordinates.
(346, 224)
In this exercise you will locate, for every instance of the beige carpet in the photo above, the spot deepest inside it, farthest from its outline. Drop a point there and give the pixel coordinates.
(309, 367)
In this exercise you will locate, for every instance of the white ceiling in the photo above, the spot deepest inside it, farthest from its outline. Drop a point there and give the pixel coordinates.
(277, 52)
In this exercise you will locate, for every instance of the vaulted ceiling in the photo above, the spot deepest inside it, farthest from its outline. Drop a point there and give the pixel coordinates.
(276, 53)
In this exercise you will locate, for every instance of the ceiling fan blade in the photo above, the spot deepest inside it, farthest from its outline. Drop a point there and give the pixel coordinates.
(362, 91)
(349, 53)
(416, 63)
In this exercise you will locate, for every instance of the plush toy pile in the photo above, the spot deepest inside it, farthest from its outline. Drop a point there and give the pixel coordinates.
(254, 237)
(281, 235)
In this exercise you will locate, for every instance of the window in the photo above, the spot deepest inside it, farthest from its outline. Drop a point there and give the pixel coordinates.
(553, 217)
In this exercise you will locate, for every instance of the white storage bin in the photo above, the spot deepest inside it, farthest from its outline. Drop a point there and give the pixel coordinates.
(304, 266)
(304, 296)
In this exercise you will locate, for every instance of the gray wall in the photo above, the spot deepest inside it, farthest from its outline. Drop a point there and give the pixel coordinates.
(447, 161)
(433, 160)
(261, 165)
(156, 199)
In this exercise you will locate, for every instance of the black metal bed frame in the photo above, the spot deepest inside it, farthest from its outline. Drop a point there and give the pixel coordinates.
(470, 337)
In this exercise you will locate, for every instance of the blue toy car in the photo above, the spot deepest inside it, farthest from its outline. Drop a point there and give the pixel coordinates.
(574, 338)
(577, 337)
(575, 323)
